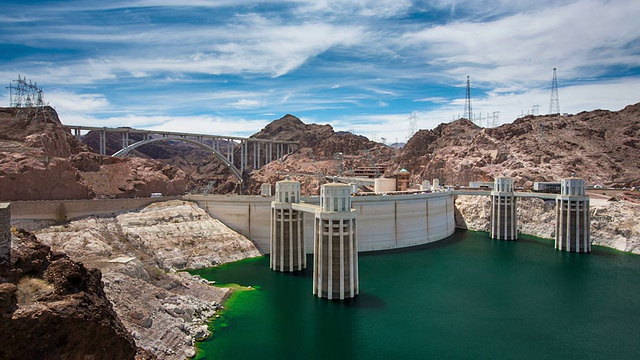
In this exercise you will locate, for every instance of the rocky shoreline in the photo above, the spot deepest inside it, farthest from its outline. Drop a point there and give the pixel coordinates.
(613, 223)
(140, 254)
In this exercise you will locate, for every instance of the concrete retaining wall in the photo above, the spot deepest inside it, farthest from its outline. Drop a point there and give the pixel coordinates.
(27, 214)
(5, 233)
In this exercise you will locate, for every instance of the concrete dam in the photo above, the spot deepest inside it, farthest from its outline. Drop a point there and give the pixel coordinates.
(384, 222)
(343, 225)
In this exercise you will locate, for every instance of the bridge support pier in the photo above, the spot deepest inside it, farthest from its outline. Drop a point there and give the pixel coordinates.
(572, 217)
(103, 142)
(287, 229)
(503, 210)
(335, 266)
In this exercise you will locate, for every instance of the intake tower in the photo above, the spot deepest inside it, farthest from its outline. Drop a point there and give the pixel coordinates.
(572, 217)
(503, 210)
(335, 266)
(287, 229)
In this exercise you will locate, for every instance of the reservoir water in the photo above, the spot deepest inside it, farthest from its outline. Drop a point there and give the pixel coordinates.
(466, 297)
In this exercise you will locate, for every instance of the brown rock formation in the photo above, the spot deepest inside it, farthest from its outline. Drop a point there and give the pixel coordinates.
(600, 146)
(54, 308)
(323, 153)
(40, 160)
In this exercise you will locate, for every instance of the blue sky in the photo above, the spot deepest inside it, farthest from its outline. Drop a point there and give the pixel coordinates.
(232, 66)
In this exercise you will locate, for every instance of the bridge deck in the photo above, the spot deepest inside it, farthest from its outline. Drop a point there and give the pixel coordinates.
(173, 133)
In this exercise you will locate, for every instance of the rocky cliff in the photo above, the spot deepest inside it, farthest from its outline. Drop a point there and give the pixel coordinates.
(601, 146)
(40, 160)
(323, 152)
(613, 222)
(139, 253)
(54, 308)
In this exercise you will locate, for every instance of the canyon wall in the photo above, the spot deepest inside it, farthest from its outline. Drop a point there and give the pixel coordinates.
(613, 223)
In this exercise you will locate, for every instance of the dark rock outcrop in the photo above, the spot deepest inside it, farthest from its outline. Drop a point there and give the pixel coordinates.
(55, 308)
(600, 146)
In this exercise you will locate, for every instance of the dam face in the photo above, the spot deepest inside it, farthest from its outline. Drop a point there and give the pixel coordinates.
(384, 222)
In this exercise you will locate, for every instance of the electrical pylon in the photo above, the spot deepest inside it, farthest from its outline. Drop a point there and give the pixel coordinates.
(554, 104)
(468, 114)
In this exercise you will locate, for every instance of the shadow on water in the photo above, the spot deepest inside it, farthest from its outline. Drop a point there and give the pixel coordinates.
(451, 240)
(364, 301)
(306, 273)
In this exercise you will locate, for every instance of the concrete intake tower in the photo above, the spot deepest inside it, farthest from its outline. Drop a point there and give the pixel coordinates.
(503, 210)
(572, 217)
(335, 265)
(287, 229)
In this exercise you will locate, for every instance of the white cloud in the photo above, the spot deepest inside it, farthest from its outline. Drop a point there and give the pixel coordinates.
(249, 44)
(322, 58)
(244, 103)
(523, 47)
(367, 8)
(433, 99)
(77, 102)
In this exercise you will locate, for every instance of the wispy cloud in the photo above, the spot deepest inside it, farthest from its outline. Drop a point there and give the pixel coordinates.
(361, 64)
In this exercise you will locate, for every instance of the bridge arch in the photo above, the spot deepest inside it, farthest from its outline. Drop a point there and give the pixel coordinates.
(215, 152)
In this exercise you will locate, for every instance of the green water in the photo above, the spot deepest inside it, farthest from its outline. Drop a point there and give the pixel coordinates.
(467, 297)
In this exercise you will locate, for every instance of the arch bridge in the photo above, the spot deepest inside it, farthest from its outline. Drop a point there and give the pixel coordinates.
(237, 153)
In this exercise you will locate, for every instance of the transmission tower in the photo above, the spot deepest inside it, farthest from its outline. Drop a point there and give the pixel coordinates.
(413, 125)
(26, 95)
(554, 104)
(467, 102)
(535, 110)
(495, 120)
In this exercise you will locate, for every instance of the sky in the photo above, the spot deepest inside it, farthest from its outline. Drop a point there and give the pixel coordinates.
(230, 67)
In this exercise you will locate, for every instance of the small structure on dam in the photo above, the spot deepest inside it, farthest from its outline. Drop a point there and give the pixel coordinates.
(503, 210)
(5, 233)
(287, 229)
(335, 267)
(572, 217)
